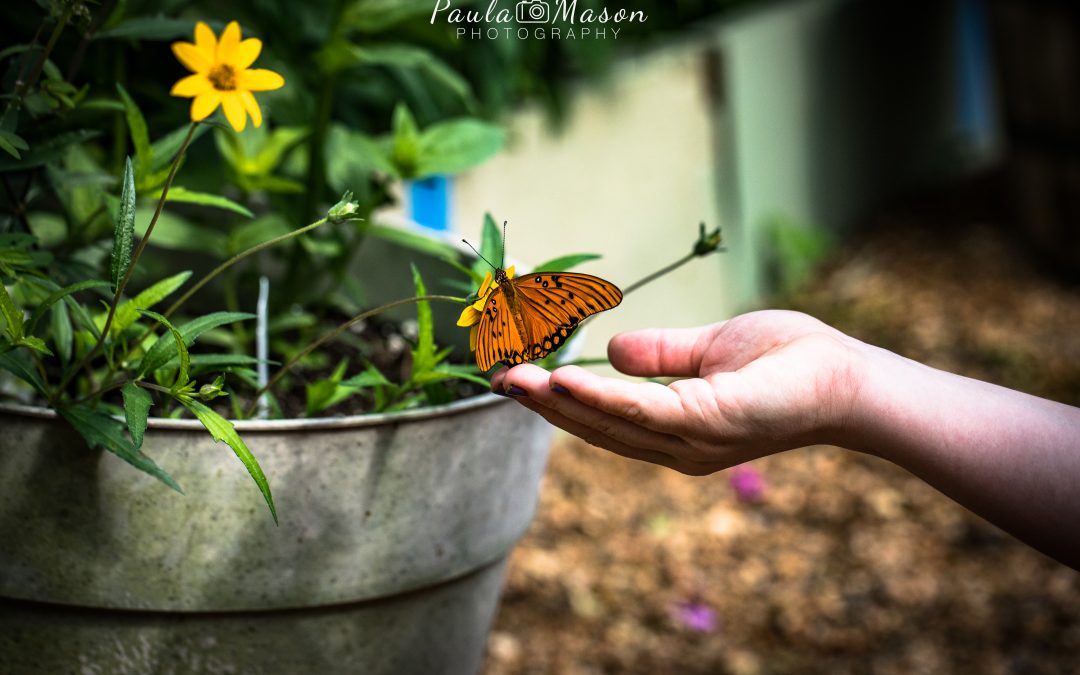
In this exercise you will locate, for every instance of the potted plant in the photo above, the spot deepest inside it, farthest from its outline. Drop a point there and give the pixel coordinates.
(370, 542)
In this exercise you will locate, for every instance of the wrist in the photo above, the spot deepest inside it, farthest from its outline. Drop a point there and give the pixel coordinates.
(864, 387)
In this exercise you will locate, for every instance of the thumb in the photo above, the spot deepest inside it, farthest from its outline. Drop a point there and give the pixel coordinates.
(653, 352)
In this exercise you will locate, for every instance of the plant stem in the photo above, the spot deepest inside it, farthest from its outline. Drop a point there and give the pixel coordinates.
(98, 392)
(24, 87)
(99, 18)
(237, 258)
(155, 387)
(330, 335)
(659, 273)
(131, 266)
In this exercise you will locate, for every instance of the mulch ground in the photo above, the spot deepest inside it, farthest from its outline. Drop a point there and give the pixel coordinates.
(840, 563)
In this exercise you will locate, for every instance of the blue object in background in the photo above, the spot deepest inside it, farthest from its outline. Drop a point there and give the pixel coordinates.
(429, 201)
(975, 103)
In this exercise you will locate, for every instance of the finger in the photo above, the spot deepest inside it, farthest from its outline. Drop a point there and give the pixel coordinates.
(647, 404)
(594, 437)
(534, 383)
(497, 379)
(675, 352)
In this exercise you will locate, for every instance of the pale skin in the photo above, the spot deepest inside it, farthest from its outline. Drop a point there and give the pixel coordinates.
(770, 381)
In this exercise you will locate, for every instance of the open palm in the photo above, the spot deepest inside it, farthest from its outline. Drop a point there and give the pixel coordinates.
(754, 385)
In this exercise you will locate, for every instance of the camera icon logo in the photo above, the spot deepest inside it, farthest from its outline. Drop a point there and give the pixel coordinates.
(533, 11)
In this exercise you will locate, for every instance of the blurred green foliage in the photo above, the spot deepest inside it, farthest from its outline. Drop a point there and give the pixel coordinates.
(795, 250)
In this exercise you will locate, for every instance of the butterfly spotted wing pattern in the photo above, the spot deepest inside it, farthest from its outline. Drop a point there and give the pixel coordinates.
(527, 318)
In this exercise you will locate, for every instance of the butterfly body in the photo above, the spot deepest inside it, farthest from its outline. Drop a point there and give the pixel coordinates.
(526, 318)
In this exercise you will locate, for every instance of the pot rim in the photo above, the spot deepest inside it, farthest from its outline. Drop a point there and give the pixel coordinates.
(292, 424)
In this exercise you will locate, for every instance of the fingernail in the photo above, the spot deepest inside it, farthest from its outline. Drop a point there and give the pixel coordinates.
(559, 389)
(515, 390)
(500, 392)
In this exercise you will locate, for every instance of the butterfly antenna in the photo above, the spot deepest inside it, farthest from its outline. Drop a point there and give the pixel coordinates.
(478, 253)
(502, 255)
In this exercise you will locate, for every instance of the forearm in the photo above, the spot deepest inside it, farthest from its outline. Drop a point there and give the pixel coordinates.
(1012, 458)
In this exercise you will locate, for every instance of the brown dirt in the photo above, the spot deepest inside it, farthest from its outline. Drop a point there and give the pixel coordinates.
(847, 564)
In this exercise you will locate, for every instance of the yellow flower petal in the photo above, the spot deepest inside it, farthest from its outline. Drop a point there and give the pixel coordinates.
(204, 104)
(234, 110)
(259, 79)
(246, 53)
(472, 337)
(481, 295)
(510, 272)
(469, 316)
(251, 105)
(193, 58)
(205, 39)
(192, 85)
(230, 41)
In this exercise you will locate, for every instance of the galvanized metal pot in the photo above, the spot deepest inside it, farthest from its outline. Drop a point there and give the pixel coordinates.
(389, 556)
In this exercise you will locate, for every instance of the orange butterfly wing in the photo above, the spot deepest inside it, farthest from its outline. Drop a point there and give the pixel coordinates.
(550, 306)
(497, 337)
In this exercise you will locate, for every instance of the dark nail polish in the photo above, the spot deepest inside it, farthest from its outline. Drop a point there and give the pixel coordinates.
(500, 392)
(515, 390)
(559, 389)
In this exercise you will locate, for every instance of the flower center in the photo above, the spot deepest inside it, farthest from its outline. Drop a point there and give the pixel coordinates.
(223, 77)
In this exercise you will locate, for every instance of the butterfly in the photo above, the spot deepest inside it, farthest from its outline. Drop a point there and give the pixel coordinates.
(520, 319)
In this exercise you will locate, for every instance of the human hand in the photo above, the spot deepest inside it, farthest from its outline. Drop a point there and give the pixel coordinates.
(756, 384)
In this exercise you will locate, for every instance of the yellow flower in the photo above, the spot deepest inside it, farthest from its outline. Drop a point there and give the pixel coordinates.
(470, 316)
(221, 75)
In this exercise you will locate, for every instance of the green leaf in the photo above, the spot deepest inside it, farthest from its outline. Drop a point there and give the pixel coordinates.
(14, 259)
(254, 232)
(456, 145)
(21, 366)
(375, 16)
(50, 229)
(64, 292)
(273, 149)
(418, 59)
(275, 184)
(352, 156)
(128, 312)
(102, 431)
(15, 49)
(181, 349)
(424, 352)
(82, 186)
(326, 392)
(137, 403)
(448, 371)
(417, 242)
(178, 193)
(491, 246)
(140, 137)
(369, 378)
(48, 150)
(175, 232)
(12, 143)
(61, 331)
(13, 316)
(563, 263)
(124, 234)
(164, 350)
(222, 430)
(82, 316)
(35, 343)
(165, 148)
(405, 145)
